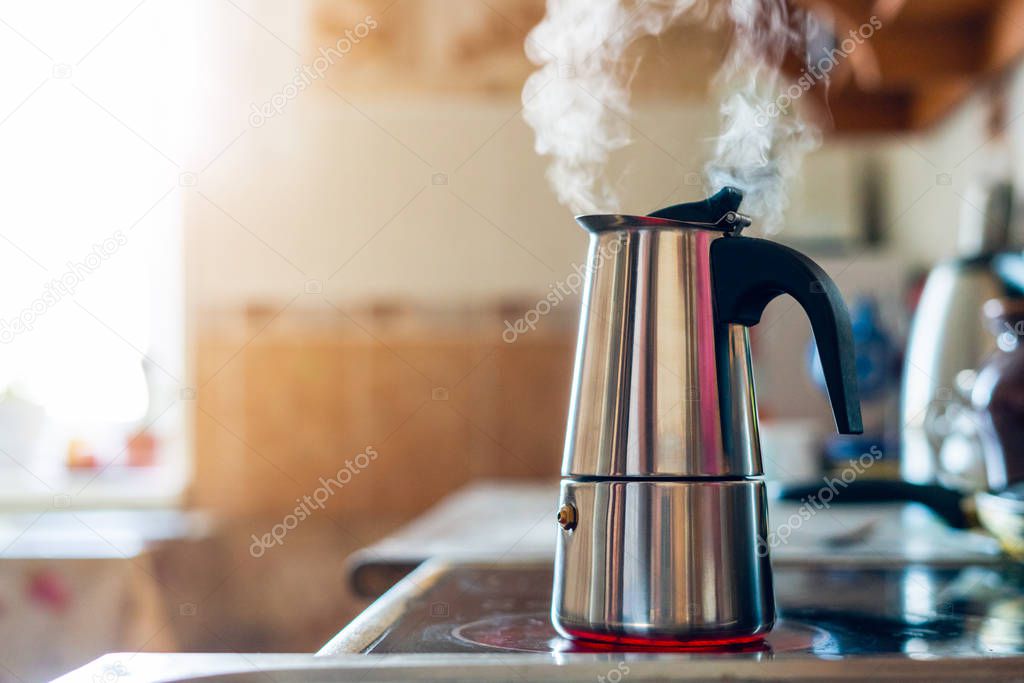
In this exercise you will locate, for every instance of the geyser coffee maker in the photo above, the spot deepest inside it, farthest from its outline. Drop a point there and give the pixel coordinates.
(663, 516)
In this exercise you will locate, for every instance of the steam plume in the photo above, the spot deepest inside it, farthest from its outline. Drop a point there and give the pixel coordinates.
(578, 100)
(755, 150)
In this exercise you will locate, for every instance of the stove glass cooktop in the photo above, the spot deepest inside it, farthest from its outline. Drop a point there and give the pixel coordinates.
(826, 613)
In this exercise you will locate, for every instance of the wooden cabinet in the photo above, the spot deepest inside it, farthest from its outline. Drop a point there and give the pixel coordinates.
(923, 58)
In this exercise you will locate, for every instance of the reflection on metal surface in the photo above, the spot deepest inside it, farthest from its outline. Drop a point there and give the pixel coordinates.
(645, 396)
(664, 561)
(534, 633)
(1002, 630)
(920, 594)
(1003, 515)
(846, 614)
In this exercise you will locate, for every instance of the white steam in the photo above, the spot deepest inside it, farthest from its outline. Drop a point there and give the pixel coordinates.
(578, 100)
(759, 148)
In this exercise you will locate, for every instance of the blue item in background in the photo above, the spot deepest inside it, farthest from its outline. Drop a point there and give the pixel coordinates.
(876, 354)
(877, 362)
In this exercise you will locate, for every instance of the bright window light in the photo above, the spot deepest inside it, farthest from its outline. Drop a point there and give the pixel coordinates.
(93, 131)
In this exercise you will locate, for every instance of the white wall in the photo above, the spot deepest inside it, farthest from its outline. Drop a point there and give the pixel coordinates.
(929, 174)
(329, 185)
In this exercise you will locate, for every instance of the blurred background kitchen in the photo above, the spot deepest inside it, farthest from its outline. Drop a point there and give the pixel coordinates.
(244, 242)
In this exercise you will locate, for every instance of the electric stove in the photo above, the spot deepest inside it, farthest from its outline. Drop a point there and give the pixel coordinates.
(456, 622)
(866, 618)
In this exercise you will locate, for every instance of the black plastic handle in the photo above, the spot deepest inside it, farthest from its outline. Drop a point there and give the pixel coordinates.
(749, 272)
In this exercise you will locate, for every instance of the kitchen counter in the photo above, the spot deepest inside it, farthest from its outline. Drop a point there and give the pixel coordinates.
(865, 593)
(516, 522)
(456, 668)
(893, 623)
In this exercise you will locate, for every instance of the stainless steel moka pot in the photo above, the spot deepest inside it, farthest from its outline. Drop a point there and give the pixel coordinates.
(663, 514)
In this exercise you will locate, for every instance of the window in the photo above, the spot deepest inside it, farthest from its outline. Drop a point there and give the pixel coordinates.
(93, 130)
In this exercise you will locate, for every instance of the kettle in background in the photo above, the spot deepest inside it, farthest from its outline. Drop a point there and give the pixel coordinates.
(948, 341)
(663, 511)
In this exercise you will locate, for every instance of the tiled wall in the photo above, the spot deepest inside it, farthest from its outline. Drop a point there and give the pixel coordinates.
(440, 397)
(285, 398)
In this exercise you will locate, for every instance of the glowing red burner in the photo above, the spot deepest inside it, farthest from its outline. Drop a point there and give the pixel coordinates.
(590, 640)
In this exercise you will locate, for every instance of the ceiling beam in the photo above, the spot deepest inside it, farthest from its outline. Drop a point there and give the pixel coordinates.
(927, 57)
(925, 54)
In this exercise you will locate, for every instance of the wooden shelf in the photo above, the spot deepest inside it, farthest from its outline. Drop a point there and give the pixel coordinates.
(927, 58)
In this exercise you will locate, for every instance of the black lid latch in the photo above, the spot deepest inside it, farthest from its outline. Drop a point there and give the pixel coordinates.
(720, 211)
